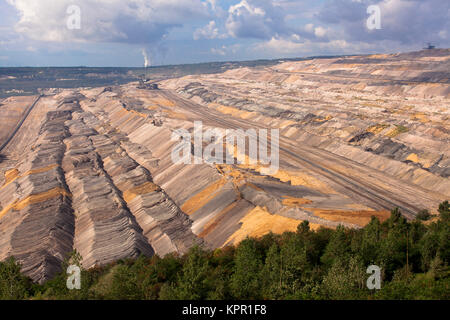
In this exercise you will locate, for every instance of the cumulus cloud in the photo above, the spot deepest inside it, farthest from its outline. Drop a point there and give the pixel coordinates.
(210, 31)
(133, 21)
(226, 50)
(290, 47)
(320, 32)
(403, 21)
(252, 28)
(269, 20)
(260, 19)
(340, 27)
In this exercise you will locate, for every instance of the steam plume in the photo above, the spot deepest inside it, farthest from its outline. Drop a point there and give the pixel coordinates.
(146, 59)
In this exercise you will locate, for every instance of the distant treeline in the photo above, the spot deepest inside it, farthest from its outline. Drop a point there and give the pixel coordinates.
(21, 81)
(322, 264)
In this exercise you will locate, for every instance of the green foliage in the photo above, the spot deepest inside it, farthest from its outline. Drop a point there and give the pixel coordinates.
(246, 280)
(56, 288)
(444, 211)
(13, 285)
(344, 280)
(423, 215)
(191, 282)
(338, 247)
(306, 264)
(398, 130)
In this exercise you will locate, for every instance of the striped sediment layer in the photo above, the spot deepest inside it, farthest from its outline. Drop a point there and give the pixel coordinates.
(217, 200)
(165, 226)
(390, 113)
(36, 217)
(105, 230)
(79, 189)
(96, 174)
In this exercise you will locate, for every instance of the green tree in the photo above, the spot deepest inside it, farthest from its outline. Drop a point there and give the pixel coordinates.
(436, 240)
(246, 280)
(444, 211)
(294, 263)
(273, 274)
(191, 283)
(444, 232)
(394, 248)
(345, 280)
(368, 247)
(338, 247)
(13, 284)
(423, 215)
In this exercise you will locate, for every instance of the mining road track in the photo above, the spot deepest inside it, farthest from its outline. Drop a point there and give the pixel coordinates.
(363, 184)
(19, 124)
(358, 78)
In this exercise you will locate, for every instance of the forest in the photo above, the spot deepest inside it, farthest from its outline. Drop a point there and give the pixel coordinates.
(326, 264)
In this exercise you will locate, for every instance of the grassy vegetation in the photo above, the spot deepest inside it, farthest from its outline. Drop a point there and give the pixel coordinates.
(306, 264)
(377, 128)
(399, 129)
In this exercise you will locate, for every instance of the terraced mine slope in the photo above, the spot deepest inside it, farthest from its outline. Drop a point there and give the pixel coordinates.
(91, 169)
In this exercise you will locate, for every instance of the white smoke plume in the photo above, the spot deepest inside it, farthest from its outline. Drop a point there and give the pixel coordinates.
(146, 58)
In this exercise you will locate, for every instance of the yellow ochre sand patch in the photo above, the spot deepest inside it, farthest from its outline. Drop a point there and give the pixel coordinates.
(327, 118)
(13, 174)
(294, 202)
(163, 102)
(123, 112)
(152, 107)
(303, 179)
(237, 176)
(420, 116)
(203, 197)
(413, 157)
(142, 115)
(232, 111)
(132, 193)
(396, 131)
(358, 217)
(376, 129)
(426, 163)
(35, 198)
(175, 115)
(259, 222)
(40, 170)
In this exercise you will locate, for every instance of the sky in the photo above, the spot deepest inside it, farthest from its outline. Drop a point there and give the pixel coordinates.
(120, 32)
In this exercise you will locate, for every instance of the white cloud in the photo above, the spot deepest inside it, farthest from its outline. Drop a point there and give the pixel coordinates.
(263, 28)
(226, 50)
(286, 47)
(210, 31)
(260, 19)
(309, 27)
(320, 32)
(280, 46)
(133, 21)
(406, 22)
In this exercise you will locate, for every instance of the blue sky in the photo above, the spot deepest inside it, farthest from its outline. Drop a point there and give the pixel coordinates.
(115, 32)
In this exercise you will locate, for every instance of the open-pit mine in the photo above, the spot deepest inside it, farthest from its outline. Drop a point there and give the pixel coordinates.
(91, 168)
